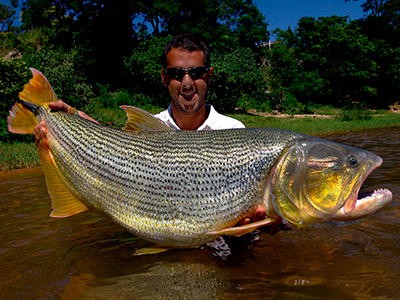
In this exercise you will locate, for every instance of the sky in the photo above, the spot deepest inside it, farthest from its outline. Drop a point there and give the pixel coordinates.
(284, 13)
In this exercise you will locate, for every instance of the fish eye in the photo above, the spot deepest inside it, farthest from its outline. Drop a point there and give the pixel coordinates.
(352, 161)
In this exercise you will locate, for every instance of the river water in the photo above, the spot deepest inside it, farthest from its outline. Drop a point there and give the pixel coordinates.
(88, 257)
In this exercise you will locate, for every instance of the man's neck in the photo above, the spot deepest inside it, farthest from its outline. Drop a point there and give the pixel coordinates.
(190, 122)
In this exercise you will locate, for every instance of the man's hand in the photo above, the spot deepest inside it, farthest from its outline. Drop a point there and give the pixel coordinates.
(258, 215)
(40, 131)
(60, 106)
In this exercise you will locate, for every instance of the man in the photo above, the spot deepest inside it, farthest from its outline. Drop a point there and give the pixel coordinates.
(186, 73)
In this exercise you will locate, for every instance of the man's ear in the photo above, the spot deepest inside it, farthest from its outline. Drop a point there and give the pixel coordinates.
(210, 75)
(163, 79)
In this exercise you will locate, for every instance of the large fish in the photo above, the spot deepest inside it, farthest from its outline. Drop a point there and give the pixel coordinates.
(186, 188)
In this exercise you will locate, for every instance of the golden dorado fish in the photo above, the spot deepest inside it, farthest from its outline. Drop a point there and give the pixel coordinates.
(186, 188)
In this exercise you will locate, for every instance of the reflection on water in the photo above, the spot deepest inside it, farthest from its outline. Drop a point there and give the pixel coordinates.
(89, 257)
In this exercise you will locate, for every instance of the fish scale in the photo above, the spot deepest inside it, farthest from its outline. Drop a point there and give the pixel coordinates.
(165, 183)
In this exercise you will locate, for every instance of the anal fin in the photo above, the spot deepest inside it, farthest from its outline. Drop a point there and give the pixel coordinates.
(150, 250)
(64, 203)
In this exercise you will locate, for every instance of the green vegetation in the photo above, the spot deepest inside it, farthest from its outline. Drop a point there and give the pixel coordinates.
(322, 61)
(321, 126)
(18, 155)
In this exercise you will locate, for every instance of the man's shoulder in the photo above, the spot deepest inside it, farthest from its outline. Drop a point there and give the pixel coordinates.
(166, 118)
(163, 115)
(219, 121)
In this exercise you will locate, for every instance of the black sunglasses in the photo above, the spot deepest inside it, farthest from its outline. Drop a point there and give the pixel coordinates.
(179, 73)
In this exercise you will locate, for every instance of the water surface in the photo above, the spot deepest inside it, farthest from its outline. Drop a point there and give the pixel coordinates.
(88, 257)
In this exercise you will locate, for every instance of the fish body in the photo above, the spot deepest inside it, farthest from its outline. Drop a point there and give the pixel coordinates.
(186, 188)
(169, 187)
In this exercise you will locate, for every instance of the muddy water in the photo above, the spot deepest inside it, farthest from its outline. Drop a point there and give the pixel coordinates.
(88, 257)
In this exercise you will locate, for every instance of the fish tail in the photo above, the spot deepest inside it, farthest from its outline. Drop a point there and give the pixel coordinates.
(22, 119)
(37, 92)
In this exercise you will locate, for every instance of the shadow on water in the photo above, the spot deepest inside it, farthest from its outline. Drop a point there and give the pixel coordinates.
(89, 257)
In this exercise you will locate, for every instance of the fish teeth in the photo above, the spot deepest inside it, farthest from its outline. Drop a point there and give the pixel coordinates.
(383, 194)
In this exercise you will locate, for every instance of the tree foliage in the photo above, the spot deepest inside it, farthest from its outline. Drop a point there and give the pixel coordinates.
(8, 15)
(87, 47)
(238, 82)
(335, 57)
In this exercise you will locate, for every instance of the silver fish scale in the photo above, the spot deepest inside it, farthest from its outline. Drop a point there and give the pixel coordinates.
(168, 187)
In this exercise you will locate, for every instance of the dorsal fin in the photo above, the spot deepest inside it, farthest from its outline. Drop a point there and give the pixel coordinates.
(38, 90)
(140, 120)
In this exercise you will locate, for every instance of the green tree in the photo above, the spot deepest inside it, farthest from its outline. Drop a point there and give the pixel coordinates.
(337, 58)
(379, 8)
(283, 73)
(144, 66)
(54, 19)
(106, 39)
(223, 24)
(246, 21)
(238, 81)
(92, 26)
(382, 27)
(7, 15)
(101, 31)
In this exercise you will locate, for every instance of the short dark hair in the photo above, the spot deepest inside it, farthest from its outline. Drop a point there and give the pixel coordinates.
(187, 42)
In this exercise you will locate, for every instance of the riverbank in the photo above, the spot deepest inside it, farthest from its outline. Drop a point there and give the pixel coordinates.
(19, 155)
(320, 125)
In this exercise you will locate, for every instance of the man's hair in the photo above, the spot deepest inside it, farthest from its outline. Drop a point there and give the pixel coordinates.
(189, 43)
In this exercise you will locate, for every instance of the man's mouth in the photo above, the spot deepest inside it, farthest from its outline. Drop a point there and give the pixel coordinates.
(188, 97)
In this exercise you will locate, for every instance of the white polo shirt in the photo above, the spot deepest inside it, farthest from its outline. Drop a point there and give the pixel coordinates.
(214, 121)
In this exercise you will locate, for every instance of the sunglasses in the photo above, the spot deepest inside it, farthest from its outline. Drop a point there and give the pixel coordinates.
(179, 73)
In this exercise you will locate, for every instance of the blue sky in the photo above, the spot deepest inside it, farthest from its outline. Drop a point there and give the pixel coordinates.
(284, 13)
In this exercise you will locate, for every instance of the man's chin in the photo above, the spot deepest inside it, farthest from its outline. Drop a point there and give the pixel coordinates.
(189, 110)
(189, 107)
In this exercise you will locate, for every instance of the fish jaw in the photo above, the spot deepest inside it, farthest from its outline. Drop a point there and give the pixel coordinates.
(355, 208)
(365, 206)
(351, 202)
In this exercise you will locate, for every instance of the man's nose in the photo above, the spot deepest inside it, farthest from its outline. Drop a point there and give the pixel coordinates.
(187, 82)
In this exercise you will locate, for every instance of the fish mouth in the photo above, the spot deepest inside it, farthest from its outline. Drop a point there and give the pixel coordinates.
(380, 197)
(350, 203)
(365, 206)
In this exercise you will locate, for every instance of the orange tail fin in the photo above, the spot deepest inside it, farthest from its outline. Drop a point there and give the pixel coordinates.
(37, 91)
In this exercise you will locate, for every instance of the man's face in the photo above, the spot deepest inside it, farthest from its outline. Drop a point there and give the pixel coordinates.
(188, 94)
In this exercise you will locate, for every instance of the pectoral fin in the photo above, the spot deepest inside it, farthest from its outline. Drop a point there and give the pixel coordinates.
(64, 203)
(244, 229)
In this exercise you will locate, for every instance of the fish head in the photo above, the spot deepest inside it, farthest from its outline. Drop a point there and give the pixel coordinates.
(316, 180)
